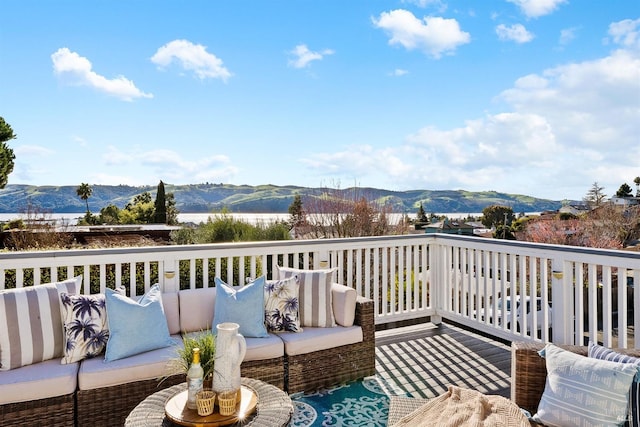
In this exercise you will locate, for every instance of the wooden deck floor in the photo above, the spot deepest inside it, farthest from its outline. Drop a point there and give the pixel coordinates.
(421, 360)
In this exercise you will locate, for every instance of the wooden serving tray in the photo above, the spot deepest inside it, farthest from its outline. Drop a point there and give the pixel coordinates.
(176, 410)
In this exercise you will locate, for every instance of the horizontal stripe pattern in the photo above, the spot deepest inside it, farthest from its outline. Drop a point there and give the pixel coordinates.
(31, 327)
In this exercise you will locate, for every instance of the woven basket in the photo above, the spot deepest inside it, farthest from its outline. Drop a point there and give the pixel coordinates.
(227, 402)
(205, 400)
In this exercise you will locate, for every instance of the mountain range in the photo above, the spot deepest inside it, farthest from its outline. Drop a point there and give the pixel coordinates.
(203, 198)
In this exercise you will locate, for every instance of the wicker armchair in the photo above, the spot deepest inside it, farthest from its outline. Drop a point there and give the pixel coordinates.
(529, 371)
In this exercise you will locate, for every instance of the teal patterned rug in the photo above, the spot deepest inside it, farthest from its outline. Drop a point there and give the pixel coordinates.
(358, 403)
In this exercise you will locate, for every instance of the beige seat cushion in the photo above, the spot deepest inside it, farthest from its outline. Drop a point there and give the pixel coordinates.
(95, 373)
(264, 348)
(314, 339)
(38, 381)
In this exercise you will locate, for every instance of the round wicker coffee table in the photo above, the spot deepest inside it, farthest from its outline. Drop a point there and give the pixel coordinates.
(274, 407)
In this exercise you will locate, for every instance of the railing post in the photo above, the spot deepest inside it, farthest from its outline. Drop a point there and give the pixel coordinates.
(434, 278)
(170, 275)
(562, 302)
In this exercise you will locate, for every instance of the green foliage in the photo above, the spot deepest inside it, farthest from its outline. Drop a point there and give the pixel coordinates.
(205, 341)
(225, 228)
(160, 206)
(7, 156)
(624, 191)
(422, 215)
(495, 215)
(84, 191)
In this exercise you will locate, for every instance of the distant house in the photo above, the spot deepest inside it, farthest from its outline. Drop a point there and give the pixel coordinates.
(575, 209)
(450, 227)
(625, 202)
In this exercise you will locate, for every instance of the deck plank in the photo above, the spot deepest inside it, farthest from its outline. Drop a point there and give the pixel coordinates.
(422, 360)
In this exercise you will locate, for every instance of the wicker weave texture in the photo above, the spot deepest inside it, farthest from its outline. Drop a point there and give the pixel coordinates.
(274, 407)
(56, 411)
(269, 370)
(529, 371)
(324, 368)
(109, 406)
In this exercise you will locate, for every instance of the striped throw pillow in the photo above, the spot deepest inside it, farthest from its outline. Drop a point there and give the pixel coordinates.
(31, 327)
(599, 352)
(316, 305)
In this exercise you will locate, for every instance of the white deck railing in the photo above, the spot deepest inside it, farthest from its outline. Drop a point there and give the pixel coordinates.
(590, 293)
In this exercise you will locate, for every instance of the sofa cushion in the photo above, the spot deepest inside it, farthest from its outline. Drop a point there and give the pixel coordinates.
(38, 381)
(135, 326)
(281, 305)
(575, 382)
(316, 307)
(314, 339)
(95, 373)
(264, 348)
(31, 329)
(344, 304)
(243, 305)
(196, 309)
(85, 326)
(599, 352)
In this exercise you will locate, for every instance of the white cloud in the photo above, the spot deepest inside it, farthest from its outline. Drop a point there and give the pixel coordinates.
(626, 33)
(172, 166)
(191, 57)
(398, 72)
(77, 70)
(567, 35)
(537, 8)
(517, 33)
(32, 150)
(357, 162)
(561, 130)
(302, 56)
(434, 36)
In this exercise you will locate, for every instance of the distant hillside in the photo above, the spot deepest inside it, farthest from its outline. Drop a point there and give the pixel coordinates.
(202, 198)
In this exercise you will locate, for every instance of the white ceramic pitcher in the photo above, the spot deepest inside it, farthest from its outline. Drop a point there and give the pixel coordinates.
(230, 350)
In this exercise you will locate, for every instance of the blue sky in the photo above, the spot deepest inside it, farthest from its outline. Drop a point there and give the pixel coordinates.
(537, 97)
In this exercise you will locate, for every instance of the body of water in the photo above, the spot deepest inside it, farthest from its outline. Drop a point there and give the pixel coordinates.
(251, 218)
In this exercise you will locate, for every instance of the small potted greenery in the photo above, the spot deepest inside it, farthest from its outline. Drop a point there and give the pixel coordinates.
(203, 340)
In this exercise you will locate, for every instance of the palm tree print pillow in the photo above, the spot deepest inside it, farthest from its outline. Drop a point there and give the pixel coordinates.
(85, 326)
(281, 305)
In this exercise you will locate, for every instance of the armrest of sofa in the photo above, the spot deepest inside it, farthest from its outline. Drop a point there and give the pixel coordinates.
(365, 319)
(344, 304)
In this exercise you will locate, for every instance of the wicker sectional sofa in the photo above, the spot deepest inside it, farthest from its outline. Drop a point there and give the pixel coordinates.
(94, 393)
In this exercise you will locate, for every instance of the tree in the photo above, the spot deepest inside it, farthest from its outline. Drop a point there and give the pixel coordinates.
(160, 212)
(636, 181)
(6, 154)
(495, 215)
(624, 191)
(422, 215)
(84, 191)
(297, 216)
(172, 210)
(595, 196)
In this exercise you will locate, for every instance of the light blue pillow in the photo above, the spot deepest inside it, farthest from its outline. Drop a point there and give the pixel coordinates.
(583, 391)
(243, 305)
(135, 327)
